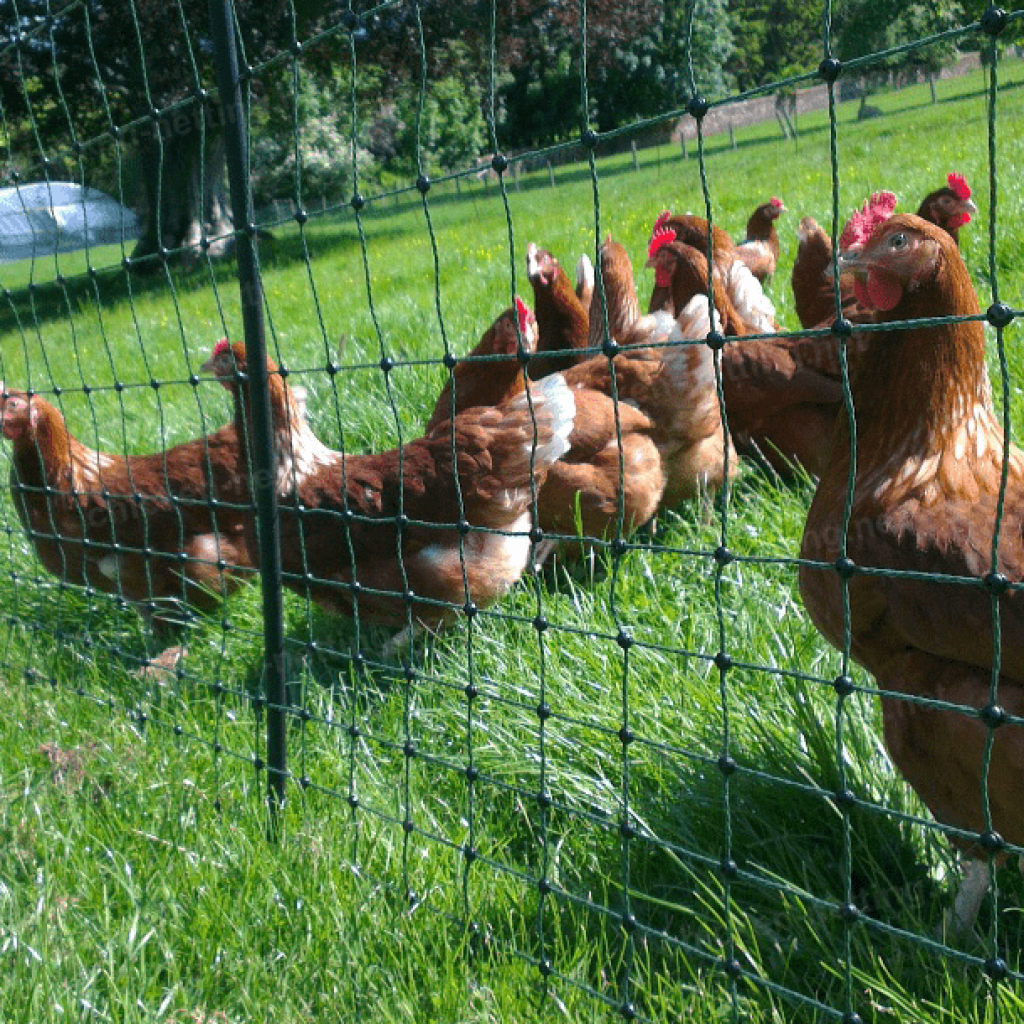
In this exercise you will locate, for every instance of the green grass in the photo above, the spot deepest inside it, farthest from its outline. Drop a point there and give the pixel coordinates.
(135, 880)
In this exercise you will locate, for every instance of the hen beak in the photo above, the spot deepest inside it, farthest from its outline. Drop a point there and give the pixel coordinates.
(969, 206)
(210, 366)
(850, 261)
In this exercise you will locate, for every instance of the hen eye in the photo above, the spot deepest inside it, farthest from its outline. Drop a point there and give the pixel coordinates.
(898, 241)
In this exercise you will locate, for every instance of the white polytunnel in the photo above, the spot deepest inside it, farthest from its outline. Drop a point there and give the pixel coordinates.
(43, 218)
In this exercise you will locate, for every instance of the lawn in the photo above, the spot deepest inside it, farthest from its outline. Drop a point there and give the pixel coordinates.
(508, 823)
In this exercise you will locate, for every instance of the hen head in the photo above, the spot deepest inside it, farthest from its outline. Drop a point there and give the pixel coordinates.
(951, 206)
(16, 413)
(503, 337)
(680, 265)
(541, 266)
(898, 257)
(774, 208)
(661, 256)
(227, 362)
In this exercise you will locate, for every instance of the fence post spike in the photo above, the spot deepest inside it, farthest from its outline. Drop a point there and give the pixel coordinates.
(262, 478)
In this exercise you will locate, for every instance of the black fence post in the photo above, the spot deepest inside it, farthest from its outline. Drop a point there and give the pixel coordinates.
(261, 438)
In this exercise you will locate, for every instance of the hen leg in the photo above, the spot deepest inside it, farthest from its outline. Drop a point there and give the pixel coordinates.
(974, 886)
(944, 754)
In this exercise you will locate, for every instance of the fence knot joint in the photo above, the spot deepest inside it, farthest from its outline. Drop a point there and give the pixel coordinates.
(846, 567)
(991, 841)
(830, 68)
(995, 967)
(996, 583)
(697, 107)
(843, 685)
(993, 715)
(993, 21)
(999, 314)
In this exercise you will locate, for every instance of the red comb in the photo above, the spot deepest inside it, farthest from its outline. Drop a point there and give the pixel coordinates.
(663, 218)
(523, 312)
(862, 222)
(221, 347)
(776, 201)
(958, 183)
(661, 237)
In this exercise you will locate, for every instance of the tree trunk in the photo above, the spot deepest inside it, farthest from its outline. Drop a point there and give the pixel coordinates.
(184, 196)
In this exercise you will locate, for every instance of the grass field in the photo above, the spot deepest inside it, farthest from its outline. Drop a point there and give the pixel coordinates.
(136, 884)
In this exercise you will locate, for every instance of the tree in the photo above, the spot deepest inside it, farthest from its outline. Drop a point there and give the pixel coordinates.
(301, 133)
(447, 129)
(863, 27)
(95, 67)
(708, 49)
(538, 49)
(774, 40)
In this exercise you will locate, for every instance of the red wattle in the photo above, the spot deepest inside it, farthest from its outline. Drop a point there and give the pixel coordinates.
(884, 289)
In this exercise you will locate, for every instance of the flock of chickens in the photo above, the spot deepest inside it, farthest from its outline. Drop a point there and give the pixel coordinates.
(588, 416)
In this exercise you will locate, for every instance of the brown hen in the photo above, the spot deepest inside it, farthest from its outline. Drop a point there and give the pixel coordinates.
(436, 527)
(615, 303)
(779, 404)
(162, 531)
(665, 371)
(949, 207)
(695, 231)
(760, 249)
(611, 480)
(477, 380)
(929, 457)
(561, 317)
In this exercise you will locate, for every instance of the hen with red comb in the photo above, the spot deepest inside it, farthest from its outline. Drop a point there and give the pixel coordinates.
(421, 533)
(949, 207)
(562, 322)
(480, 381)
(695, 231)
(165, 532)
